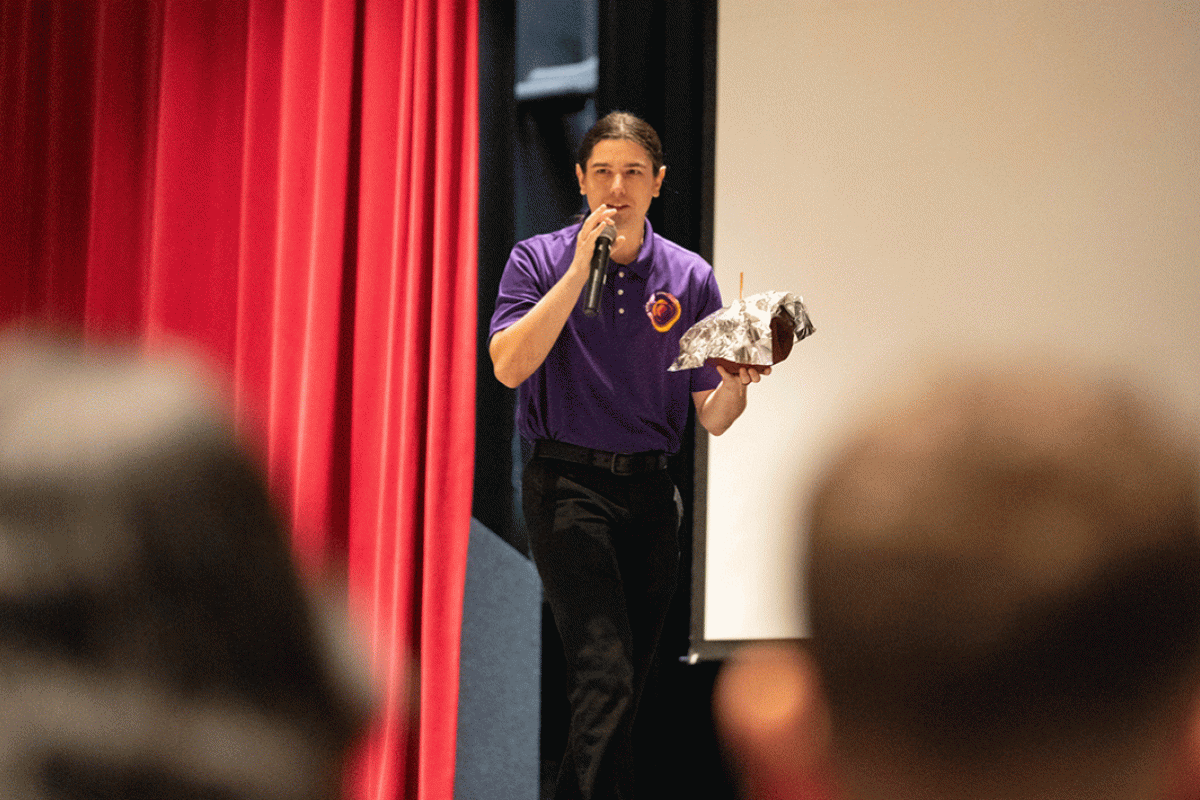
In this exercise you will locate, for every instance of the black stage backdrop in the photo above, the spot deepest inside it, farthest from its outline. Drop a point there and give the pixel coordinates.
(656, 60)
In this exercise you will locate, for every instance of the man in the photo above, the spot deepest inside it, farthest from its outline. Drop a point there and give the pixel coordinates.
(600, 413)
(1004, 593)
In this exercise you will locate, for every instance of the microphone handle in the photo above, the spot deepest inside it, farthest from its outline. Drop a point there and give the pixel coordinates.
(597, 277)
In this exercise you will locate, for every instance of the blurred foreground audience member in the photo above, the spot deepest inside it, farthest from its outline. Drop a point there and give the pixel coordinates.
(1004, 593)
(155, 641)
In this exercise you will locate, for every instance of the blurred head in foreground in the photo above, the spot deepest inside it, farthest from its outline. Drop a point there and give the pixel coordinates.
(1004, 593)
(155, 641)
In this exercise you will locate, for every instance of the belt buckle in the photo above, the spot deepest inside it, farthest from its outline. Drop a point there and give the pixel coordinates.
(613, 466)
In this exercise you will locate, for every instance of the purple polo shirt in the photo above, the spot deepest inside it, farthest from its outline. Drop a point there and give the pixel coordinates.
(605, 383)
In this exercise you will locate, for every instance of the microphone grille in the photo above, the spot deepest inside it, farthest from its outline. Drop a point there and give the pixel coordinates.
(609, 232)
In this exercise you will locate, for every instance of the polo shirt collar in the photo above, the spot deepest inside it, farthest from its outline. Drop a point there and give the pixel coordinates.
(642, 265)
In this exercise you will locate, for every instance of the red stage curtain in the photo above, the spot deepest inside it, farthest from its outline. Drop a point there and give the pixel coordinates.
(289, 188)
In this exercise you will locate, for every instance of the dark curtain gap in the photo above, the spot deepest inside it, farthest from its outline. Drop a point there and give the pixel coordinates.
(657, 60)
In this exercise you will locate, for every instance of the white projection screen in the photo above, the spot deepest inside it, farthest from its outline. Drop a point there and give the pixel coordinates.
(937, 177)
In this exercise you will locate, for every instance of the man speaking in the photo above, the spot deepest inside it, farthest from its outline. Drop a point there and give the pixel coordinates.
(598, 414)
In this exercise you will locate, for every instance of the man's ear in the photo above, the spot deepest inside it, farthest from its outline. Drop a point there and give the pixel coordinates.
(773, 723)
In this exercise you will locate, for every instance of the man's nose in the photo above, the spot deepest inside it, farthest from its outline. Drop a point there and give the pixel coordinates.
(618, 183)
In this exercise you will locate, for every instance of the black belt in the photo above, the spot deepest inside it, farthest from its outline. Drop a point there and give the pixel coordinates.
(616, 463)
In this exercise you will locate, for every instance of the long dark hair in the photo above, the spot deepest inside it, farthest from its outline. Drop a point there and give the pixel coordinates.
(622, 125)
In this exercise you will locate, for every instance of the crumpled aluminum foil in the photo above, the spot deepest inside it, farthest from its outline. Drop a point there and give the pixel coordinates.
(741, 332)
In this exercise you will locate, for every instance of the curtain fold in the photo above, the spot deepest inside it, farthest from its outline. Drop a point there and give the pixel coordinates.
(287, 187)
(297, 156)
(128, 55)
(414, 331)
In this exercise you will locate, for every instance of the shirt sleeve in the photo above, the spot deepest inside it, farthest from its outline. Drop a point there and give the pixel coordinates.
(522, 284)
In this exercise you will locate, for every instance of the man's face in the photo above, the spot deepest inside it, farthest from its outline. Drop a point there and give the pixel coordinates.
(621, 175)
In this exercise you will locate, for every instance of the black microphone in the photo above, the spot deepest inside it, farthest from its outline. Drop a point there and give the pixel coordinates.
(599, 274)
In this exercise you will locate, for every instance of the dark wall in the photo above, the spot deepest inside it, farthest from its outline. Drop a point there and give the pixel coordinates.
(493, 496)
(527, 186)
(656, 60)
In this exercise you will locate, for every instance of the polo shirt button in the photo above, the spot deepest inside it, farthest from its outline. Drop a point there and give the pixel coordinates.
(620, 274)
(620, 291)
(620, 311)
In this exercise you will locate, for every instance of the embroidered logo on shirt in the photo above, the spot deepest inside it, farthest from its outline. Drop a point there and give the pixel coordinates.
(664, 311)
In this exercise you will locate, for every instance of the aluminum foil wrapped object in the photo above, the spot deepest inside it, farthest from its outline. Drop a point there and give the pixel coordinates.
(756, 331)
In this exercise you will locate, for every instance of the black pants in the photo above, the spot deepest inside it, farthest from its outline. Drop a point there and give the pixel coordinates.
(606, 547)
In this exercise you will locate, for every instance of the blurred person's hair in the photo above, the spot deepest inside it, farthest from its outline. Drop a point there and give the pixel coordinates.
(1004, 580)
(155, 638)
